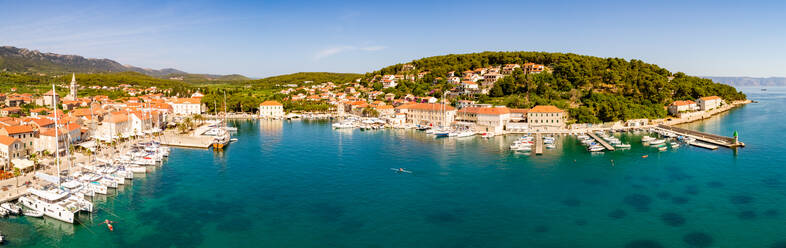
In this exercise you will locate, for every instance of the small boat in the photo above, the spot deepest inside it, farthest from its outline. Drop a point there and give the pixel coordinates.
(233, 140)
(645, 156)
(658, 142)
(621, 145)
(550, 146)
(13, 209)
(675, 145)
(32, 213)
(3, 212)
(662, 148)
(595, 148)
(402, 170)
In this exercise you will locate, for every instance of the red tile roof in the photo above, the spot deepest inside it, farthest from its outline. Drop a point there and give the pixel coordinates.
(683, 103)
(485, 111)
(707, 98)
(7, 140)
(545, 109)
(19, 129)
(427, 107)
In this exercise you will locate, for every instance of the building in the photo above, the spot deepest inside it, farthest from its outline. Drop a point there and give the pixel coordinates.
(709, 102)
(509, 68)
(10, 111)
(676, 107)
(46, 141)
(187, 106)
(545, 118)
(271, 109)
(10, 148)
(429, 114)
(484, 119)
(24, 133)
(385, 110)
(49, 99)
(72, 89)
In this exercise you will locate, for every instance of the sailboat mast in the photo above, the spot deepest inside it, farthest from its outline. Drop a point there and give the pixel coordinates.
(225, 108)
(57, 138)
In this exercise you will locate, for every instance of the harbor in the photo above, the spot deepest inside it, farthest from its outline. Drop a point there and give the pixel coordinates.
(197, 182)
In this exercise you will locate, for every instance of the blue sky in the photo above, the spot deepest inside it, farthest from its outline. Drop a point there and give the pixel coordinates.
(264, 38)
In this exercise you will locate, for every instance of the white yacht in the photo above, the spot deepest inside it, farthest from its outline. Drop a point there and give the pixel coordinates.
(57, 204)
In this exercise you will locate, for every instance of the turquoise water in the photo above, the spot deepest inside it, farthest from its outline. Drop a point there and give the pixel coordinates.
(302, 184)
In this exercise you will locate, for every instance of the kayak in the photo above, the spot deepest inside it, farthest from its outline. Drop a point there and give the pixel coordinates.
(404, 171)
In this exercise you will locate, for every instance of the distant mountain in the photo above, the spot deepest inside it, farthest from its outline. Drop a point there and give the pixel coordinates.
(13, 59)
(750, 81)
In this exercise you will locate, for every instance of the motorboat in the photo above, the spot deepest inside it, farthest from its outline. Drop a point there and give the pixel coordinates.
(621, 145)
(647, 138)
(32, 213)
(13, 209)
(662, 148)
(465, 133)
(551, 146)
(658, 142)
(595, 148)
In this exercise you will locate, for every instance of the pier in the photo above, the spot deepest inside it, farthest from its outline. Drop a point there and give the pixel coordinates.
(601, 141)
(538, 144)
(187, 141)
(712, 139)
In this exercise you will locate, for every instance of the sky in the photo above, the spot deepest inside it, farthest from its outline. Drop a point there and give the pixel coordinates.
(266, 38)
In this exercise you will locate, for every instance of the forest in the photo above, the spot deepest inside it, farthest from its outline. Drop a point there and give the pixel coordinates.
(593, 89)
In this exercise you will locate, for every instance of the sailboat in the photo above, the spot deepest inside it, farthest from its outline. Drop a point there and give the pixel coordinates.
(54, 201)
(223, 138)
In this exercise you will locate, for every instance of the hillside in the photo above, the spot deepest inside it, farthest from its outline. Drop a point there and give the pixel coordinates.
(26, 81)
(21, 60)
(750, 81)
(593, 89)
(306, 78)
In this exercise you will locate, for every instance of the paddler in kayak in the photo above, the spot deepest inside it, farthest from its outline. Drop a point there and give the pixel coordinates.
(109, 225)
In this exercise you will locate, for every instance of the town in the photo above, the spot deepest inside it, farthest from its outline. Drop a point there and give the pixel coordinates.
(105, 141)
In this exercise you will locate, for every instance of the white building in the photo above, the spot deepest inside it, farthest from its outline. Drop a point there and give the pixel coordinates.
(10, 148)
(429, 114)
(484, 119)
(545, 118)
(46, 141)
(677, 107)
(187, 106)
(271, 109)
(709, 102)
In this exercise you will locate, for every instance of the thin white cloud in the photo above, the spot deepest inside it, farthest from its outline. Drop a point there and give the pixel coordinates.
(341, 49)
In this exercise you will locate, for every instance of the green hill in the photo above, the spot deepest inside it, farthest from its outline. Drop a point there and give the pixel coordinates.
(301, 78)
(593, 89)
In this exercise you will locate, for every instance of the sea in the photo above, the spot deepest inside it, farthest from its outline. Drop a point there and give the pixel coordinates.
(303, 184)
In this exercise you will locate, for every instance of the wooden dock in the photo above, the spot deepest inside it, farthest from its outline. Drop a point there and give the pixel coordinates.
(703, 145)
(538, 144)
(708, 138)
(601, 141)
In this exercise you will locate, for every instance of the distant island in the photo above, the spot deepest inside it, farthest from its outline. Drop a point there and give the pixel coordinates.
(750, 81)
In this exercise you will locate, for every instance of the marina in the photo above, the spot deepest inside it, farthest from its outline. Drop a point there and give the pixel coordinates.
(602, 142)
(551, 185)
